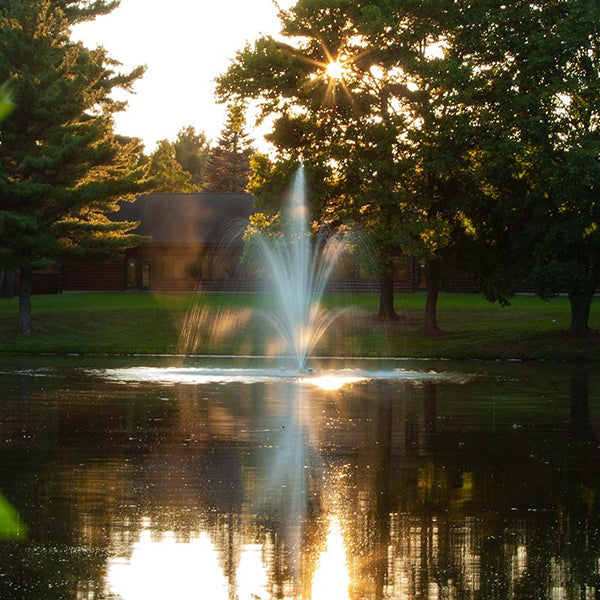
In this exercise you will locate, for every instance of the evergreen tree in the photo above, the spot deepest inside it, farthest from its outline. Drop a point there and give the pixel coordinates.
(62, 168)
(77, 11)
(165, 172)
(229, 163)
(192, 151)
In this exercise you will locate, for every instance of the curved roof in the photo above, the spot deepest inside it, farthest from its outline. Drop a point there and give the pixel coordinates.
(189, 218)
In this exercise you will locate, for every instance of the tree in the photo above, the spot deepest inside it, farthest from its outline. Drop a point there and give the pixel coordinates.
(76, 11)
(342, 91)
(438, 142)
(165, 171)
(456, 131)
(228, 168)
(192, 151)
(534, 96)
(62, 169)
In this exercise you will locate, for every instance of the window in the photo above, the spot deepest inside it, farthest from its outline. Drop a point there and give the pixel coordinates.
(132, 280)
(146, 276)
(401, 267)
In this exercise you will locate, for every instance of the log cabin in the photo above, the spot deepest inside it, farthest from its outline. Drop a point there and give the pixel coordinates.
(195, 242)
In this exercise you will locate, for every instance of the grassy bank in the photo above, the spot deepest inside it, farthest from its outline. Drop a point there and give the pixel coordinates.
(125, 323)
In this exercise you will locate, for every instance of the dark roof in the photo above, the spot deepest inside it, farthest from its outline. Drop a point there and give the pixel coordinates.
(188, 218)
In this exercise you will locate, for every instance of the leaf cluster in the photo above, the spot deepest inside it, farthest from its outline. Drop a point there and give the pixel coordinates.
(461, 132)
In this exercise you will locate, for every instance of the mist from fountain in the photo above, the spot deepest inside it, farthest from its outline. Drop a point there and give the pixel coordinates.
(299, 270)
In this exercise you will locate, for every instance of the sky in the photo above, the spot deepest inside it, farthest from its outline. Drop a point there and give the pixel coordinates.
(185, 44)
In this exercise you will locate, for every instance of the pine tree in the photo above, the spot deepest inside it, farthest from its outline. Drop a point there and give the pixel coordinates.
(62, 168)
(229, 164)
(77, 11)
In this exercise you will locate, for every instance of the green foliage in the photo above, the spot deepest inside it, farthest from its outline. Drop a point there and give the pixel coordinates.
(11, 526)
(534, 95)
(270, 181)
(375, 130)
(228, 168)
(166, 173)
(62, 169)
(77, 11)
(461, 132)
(192, 152)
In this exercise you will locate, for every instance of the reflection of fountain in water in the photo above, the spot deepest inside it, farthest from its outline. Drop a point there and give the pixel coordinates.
(287, 492)
(299, 483)
(299, 272)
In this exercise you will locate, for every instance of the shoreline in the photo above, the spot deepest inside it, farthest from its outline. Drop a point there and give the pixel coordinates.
(143, 324)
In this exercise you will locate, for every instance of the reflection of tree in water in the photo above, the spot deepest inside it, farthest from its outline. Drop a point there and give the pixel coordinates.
(430, 507)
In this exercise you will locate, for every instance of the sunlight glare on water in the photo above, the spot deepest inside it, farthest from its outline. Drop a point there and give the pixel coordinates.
(251, 574)
(327, 380)
(168, 568)
(331, 383)
(332, 579)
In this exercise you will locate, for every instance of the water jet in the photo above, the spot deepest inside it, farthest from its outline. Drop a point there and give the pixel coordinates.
(299, 269)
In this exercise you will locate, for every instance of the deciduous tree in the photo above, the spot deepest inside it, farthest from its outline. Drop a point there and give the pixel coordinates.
(343, 91)
(534, 95)
(192, 151)
(165, 171)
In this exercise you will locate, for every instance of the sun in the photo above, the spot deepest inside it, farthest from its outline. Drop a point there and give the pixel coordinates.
(335, 69)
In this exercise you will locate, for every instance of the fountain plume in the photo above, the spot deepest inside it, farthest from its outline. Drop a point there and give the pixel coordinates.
(299, 270)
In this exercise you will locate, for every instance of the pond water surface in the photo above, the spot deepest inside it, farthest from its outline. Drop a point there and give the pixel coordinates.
(450, 481)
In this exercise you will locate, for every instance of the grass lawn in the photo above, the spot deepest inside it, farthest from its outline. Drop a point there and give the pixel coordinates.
(126, 323)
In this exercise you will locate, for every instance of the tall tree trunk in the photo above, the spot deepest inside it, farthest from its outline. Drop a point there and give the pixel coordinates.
(386, 295)
(580, 313)
(430, 324)
(581, 300)
(25, 301)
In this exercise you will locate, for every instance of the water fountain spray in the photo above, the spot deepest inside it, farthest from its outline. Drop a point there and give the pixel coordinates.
(299, 269)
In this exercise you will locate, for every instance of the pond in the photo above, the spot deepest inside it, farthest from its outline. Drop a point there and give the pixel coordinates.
(136, 478)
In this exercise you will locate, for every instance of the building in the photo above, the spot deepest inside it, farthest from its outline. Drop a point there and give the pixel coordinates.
(195, 240)
(191, 238)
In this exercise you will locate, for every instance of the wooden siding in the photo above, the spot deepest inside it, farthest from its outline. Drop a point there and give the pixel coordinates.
(97, 277)
(187, 267)
(45, 283)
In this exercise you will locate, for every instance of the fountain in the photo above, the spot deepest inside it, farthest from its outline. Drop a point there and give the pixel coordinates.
(298, 268)
(245, 482)
(300, 272)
